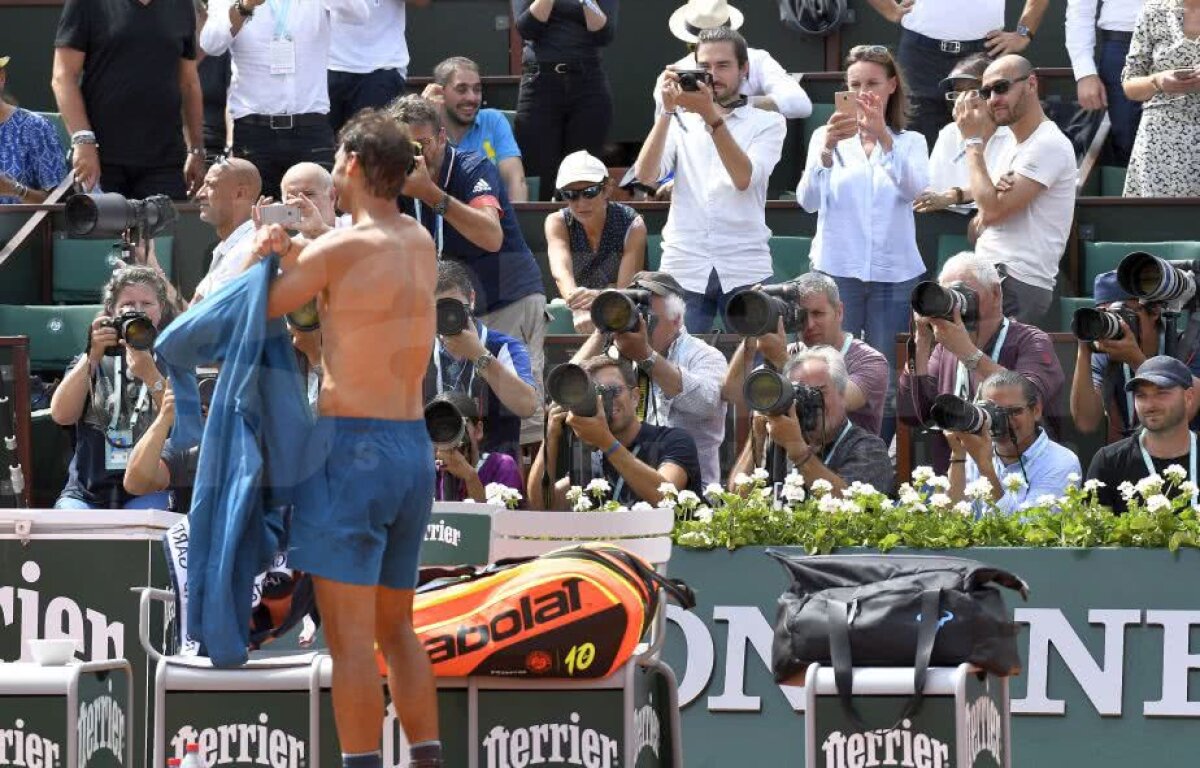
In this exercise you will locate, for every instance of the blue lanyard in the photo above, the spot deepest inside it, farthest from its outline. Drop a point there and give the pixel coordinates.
(962, 381)
(282, 11)
(616, 495)
(437, 362)
(846, 344)
(836, 443)
(438, 234)
(1191, 458)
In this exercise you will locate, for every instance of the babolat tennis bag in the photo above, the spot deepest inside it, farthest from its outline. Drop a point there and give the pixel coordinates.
(893, 611)
(576, 612)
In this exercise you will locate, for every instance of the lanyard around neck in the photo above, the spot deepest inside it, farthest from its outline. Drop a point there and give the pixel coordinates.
(836, 443)
(437, 362)
(282, 11)
(1191, 458)
(846, 344)
(962, 381)
(439, 236)
(119, 390)
(621, 482)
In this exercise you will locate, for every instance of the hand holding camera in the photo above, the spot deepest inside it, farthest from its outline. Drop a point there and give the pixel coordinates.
(695, 92)
(464, 345)
(634, 345)
(140, 363)
(593, 429)
(455, 462)
(784, 429)
(420, 185)
(102, 337)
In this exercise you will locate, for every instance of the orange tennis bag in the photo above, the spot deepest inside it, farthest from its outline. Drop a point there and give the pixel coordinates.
(576, 612)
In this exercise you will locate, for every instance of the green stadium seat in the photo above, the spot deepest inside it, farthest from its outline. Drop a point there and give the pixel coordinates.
(789, 256)
(1101, 257)
(533, 185)
(60, 128)
(653, 252)
(820, 115)
(1066, 310)
(511, 116)
(559, 318)
(82, 267)
(948, 245)
(1112, 181)
(56, 333)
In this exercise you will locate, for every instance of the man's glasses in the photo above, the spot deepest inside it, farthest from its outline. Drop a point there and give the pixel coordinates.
(1000, 87)
(590, 193)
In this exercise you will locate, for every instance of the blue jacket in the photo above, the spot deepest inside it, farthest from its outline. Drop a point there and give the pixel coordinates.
(250, 456)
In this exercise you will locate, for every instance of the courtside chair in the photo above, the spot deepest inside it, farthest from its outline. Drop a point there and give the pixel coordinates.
(56, 333)
(60, 128)
(1101, 257)
(820, 115)
(1066, 310)
(948, 245)
(83, 266)
(789, 256)
(1112, 180)
(560, 319)
(653, 252)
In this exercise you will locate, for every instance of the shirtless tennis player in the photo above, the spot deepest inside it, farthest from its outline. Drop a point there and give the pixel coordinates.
(358, 524)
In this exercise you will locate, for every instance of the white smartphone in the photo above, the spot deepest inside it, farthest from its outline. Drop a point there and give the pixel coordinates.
(844, 103)
(280, 213)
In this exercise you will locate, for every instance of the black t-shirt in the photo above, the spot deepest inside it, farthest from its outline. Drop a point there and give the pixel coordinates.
(181, 466)
(1122, 461)
(130, 84)
(655, 446)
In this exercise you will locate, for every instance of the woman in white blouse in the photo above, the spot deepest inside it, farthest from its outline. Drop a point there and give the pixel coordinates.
(863, 173)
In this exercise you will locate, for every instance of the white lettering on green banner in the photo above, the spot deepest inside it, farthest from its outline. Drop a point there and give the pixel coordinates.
(27, 750)
(554, 743)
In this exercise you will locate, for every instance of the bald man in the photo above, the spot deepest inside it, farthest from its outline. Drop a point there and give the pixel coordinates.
(227, 197)
(1027, 199)
(309, 187)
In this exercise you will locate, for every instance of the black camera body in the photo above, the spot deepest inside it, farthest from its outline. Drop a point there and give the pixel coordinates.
(107, 214)
(770, 392)
(757, 311)
(618, 310)
(572, 387)
(930, 299)
(446, 425)
(134, 327)
(1104, 324)
(954, 414)
(690, 79)
(453, 317)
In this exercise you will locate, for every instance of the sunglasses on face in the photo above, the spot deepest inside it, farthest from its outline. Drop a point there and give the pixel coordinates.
(590, 193)
(1000, 87)
(869, 50)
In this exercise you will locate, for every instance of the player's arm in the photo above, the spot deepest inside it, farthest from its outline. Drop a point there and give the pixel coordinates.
(305, 266)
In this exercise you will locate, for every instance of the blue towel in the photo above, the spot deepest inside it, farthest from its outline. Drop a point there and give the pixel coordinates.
(250, 453)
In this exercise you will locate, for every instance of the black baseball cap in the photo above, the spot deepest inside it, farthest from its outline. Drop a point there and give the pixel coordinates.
(658, 283)
(1161, 371)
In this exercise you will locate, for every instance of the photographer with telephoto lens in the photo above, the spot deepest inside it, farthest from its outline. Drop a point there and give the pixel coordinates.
(1115, 337)
(479, 361)
(464, 471)
(819, 312)
(681, 373)
(1001, 435)
(635, 458)
(803, 413)
(112, 392)
(961, 337)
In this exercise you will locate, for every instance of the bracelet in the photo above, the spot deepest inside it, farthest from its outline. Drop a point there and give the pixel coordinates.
(83, 137)
(958, 195)
(958, 461)
(806, 459)
(612, 448)
(196, 151)
(20, 191)
(713, 126)
(1157, 85)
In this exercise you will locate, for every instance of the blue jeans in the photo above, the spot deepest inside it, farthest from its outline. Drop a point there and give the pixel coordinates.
(159, 500)
(1124, 114)
(703, 307)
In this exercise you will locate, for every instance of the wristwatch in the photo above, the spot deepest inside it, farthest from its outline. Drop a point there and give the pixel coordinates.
(647, 365)
(158, 386)
(1024, 32)
(442, 205)
(971, 362)
(974, 141)
(242, 10)
(483, 361)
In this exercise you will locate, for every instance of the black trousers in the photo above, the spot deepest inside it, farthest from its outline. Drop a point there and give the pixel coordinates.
(924, 69)
(350, 92)
(561, 110)
(274, 151)
(137, 182)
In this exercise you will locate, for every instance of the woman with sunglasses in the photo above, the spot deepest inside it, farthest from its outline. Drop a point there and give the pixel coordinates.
(863, 173)
(111, 395)
(1162, 71)
(594, 243)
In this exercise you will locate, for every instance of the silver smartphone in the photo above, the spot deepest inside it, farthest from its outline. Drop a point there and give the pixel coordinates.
(280, 213)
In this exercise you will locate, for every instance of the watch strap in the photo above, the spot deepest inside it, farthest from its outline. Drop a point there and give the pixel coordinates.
(442, 205)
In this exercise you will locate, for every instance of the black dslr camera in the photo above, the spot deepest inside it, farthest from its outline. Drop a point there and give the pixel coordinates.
(954, 414)
(452, 317)
(107, 214)
(690, 79)
(446, 425)
(1104, 324)
(618, 310)
(570, 386)
(769, 392)
(929, 299)
(757, 311)
(134, 327)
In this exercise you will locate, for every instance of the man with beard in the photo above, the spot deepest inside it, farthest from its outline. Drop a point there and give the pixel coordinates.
(1027, 201)
(458, 88)
(721, 151)
(1163, 396)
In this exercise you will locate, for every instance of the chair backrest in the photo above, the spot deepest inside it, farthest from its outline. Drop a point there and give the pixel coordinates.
(789, 256)
(82, 267)
(459, 533)
(1101, 257)
(56, 333)
(561, 319)
(520, 533)
(654, 245)
(60, 128)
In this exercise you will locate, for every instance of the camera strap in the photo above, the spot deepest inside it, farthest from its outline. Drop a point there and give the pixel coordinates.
(962, 381)
(833, 448)
(119, 396)
(1191, 459)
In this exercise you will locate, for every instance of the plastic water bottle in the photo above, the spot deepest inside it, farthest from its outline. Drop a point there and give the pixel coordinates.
(191, 757)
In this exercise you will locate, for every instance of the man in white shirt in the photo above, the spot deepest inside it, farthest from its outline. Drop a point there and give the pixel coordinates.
(1027, 201)
(309, 187)
(1098, 77)
(279, 94)
(368, 63)
(936, 34)
(767, 84)
(226, 200)
(722, 152)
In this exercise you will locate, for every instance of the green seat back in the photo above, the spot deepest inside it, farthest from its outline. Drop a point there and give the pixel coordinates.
(1066, 310)
(948, 245)
(56, 333)
(653, 252)
(82, 267)
(533, 185)
(789, 256)
(1102, 257)
(511, 116)
(60, 128)
(560, 321)
(820, 115)
(1112, 181)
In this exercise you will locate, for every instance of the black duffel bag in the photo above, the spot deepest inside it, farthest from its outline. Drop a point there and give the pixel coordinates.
(893, 611)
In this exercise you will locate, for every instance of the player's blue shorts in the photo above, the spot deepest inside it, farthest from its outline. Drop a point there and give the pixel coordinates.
(360, 517)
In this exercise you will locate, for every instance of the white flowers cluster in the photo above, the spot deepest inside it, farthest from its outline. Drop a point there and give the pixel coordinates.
(793, 488)
(499, 493)
(940, 501)
(1175, 473)
(1013, 483)
(821, 488)
(1158, 503)
(598, 487)
(979, 489)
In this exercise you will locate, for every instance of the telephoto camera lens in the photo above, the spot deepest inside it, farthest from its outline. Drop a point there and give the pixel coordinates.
(571, 387)
(767, 391)
(1091, 324)
(445, 424)
(955, 414)
(1150, 278)
(107, 214)
(757, 311)
(452, 317)
(137, 330)
(620, 310)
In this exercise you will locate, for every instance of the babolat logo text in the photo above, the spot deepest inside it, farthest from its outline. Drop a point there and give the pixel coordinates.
(27, 750)
(528, 614)
(983, 729)
(550, 743)
(101, 726)
(243, 744)
(57, 616)
(446, 534)
(885, 747)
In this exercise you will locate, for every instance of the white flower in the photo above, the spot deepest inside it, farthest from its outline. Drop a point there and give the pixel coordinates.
(1046, 500)
(979, 489)
(1149, 486)
(574, 493)
(498, 493)
(598, 486)
(1187, 488)
(703, 514)
(1175, 473)
(922, 475)
(642, 506)
(864, 491)
(850, 507)
(1094, 485)
(828, 505)
(918, 507)
(821, 487)
(909, 495)
(792, 493)
(1013, 483)
(582, 504)
(1157, 503)
(1073, 478)
(714, 490)
(666, 502)
(1126, 489)
(668, 489)
(939, 501)
(696, 539)
(688, 497)
(965, 509)
(761, 475)
(938, 482)
(741, 480)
